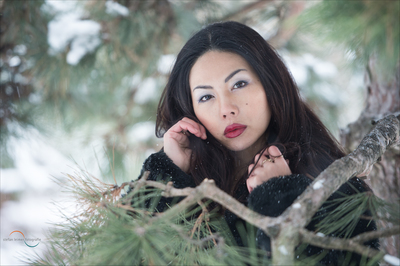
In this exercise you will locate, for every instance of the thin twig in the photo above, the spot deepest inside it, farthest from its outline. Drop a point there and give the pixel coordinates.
(337, 243)
(361, 238)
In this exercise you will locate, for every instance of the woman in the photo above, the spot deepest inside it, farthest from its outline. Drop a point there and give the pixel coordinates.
(232, 112)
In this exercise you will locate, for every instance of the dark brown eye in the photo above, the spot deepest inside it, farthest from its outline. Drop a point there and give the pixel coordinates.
(239, 84)
(205, 98)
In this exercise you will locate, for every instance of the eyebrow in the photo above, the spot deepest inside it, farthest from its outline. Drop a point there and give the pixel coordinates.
(226, 80)
(233, 73)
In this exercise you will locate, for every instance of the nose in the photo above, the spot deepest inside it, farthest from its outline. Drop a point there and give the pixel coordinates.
(228, 108)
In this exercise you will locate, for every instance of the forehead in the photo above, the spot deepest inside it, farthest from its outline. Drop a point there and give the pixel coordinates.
(215, 63)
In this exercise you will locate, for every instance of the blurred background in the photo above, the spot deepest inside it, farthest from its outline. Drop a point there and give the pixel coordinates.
(80, 83)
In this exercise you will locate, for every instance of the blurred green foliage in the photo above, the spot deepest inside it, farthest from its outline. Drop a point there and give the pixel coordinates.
(363, 28)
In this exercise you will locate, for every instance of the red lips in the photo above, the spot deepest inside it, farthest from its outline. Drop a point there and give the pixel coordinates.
(234, 130)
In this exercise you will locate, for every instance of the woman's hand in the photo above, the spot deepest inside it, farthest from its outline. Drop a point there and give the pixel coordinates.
(271, 164)
(176, 141)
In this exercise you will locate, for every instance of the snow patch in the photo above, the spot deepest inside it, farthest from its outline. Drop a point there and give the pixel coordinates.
(35, 162)
(147, 91)
(296, 206)
(68, 28)
(116, 9)
(318, 184)
(20, 49)
(142, 131)
(14, 61)
(297, 69)
(282, 249)
(391, 259)
(320, 234)
(165, 63)
(83, 44)
(325, 69)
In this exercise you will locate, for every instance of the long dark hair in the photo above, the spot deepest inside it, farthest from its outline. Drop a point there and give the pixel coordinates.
(304, 140)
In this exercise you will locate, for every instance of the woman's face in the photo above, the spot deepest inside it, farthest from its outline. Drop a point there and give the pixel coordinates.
(229, 99)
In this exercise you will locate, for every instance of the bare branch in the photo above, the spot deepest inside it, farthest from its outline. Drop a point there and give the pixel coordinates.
(354, 244)
(361, 238)
(208, 189)
(384, 135)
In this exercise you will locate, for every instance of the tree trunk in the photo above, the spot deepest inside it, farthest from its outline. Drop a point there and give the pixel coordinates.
(383, 98)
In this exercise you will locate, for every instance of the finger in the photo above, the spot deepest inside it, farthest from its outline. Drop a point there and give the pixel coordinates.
(183, 126)
(252, 182)
(258, 158)
(273, 151)
(199, 127)
(277, 167)
(264, 160)
(249, 187)
(250, 169)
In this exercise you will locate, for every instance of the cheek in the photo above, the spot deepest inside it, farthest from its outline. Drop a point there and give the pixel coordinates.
(205, 116)
(258, 107)
(199, 113)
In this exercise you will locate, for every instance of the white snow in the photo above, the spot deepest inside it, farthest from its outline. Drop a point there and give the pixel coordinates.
(84, 43)
(326, 91)
(14, 61)
(165, 63)
(299, 73)
(34, 160)
(299, 67)
(67, 28)
(391, 259)
(133, 81)
(296, 206)
(35, 163)
(21, 79)
(147, 91)
(320, 234)
(142, 131)
(116, 9)
(318, 184)
(282, 249)
(35, 98)
(5, 76)
(20, 49)
(325, 69)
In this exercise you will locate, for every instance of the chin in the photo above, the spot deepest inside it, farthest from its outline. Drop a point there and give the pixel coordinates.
(239, 147)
